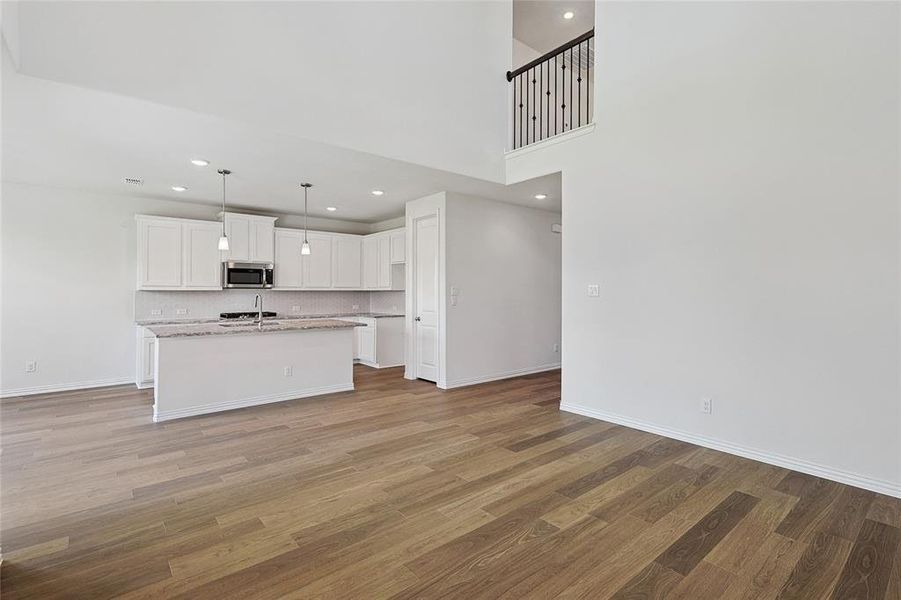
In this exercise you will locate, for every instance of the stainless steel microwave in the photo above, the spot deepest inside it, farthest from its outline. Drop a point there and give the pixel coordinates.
(246, 275)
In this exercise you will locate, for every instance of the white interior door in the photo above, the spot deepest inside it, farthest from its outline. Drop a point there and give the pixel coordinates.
(425, 323)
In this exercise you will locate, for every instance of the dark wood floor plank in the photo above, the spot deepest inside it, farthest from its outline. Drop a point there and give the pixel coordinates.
(654, 582)
(816, 572)
(869, 567)
(686, 552)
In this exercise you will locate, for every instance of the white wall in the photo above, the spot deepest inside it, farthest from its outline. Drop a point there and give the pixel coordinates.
(68, 261)
(738, 203)
(68, 299)
(505, 263)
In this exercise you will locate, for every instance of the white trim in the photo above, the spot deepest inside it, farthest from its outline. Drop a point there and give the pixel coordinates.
(551, 141)
(376, 365)
(64, 387)
(246, 402)
(447, 385)
(881, 486)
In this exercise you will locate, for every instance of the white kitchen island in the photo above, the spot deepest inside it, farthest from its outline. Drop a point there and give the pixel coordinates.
(212, 367)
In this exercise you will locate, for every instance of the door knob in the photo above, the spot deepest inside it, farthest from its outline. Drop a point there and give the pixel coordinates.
(418, 319)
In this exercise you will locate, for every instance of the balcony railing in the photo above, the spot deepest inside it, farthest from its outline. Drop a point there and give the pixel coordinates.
(552, 94)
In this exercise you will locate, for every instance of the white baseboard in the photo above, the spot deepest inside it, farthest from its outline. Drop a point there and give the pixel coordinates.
(447, 385)
(376, 365)
(63, 387)
(881, 486)
(181, 413)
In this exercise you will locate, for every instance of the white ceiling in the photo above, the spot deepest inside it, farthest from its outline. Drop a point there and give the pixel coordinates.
(421, 82)
(62, 135)
(540, 25)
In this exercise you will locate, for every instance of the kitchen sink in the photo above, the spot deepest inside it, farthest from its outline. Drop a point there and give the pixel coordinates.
(249, 324)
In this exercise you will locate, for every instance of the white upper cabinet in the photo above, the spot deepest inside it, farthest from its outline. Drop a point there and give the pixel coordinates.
(384, 264)
(317, 266)
(251, 238)
(202, 266)
(261, 240)
(346, 271)
(288, 271)
(177, 254)
(381, 252)
(398, 246)
(159, 253)
(370, 262)
(237, 228)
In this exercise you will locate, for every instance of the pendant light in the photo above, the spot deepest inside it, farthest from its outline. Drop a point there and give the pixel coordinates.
(305, 247)
(223, 240)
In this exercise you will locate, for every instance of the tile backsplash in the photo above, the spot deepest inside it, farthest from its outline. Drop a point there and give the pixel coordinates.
(202, 305)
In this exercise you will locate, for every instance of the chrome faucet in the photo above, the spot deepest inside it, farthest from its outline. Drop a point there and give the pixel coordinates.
(258, 301)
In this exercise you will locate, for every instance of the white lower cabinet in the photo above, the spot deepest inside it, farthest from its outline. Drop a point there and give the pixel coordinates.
(380, 343)
(145, 358)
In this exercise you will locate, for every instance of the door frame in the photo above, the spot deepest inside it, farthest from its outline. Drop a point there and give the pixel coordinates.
(429, 207)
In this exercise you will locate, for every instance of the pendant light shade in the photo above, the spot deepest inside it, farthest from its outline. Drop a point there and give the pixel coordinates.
(223, 239)
(305, 247)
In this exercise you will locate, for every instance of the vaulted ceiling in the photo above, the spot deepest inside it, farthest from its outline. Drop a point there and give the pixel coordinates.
(408, 97)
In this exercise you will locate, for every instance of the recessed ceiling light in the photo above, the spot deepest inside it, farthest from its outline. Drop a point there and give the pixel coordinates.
(330, 208)
(377, 192)
(199, 162)
(540, 196)
(569, 15)
(179, 188)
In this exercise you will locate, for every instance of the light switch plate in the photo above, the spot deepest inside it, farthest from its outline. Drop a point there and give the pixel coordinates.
(594, 290)
(181, 311)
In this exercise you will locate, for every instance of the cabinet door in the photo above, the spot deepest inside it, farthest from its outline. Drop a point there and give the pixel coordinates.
(367, 340)
(398, 246)
(159, 254)
(148, 359)
(384, 264)
(203, 268)
(346, 265)
(288, 270)
(317, 266)
(238, 229)
(370, 262)
(262, 240)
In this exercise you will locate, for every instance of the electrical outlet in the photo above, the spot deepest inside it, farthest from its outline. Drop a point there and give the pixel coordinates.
(594, 290)
(156, 312)
(556, 347)
(31, 366)
(181, 311)
(356, 307)
(706, 405)
(295, 309)
(394, 308)
(289, 371)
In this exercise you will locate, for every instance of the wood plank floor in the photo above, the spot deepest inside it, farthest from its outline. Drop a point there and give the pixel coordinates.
(399, 490)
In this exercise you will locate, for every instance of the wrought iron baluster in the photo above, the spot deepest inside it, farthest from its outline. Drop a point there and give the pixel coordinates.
(588, 84)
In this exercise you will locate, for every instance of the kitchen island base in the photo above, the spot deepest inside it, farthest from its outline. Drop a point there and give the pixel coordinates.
(200, 374)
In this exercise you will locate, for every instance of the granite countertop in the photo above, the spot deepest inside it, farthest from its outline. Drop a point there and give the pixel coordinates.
(273, 325)
(198, 321)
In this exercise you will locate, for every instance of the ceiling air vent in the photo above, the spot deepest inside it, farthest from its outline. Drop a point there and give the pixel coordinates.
(134, 181)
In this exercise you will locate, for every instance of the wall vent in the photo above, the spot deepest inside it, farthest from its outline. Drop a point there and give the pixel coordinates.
(134, 181)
